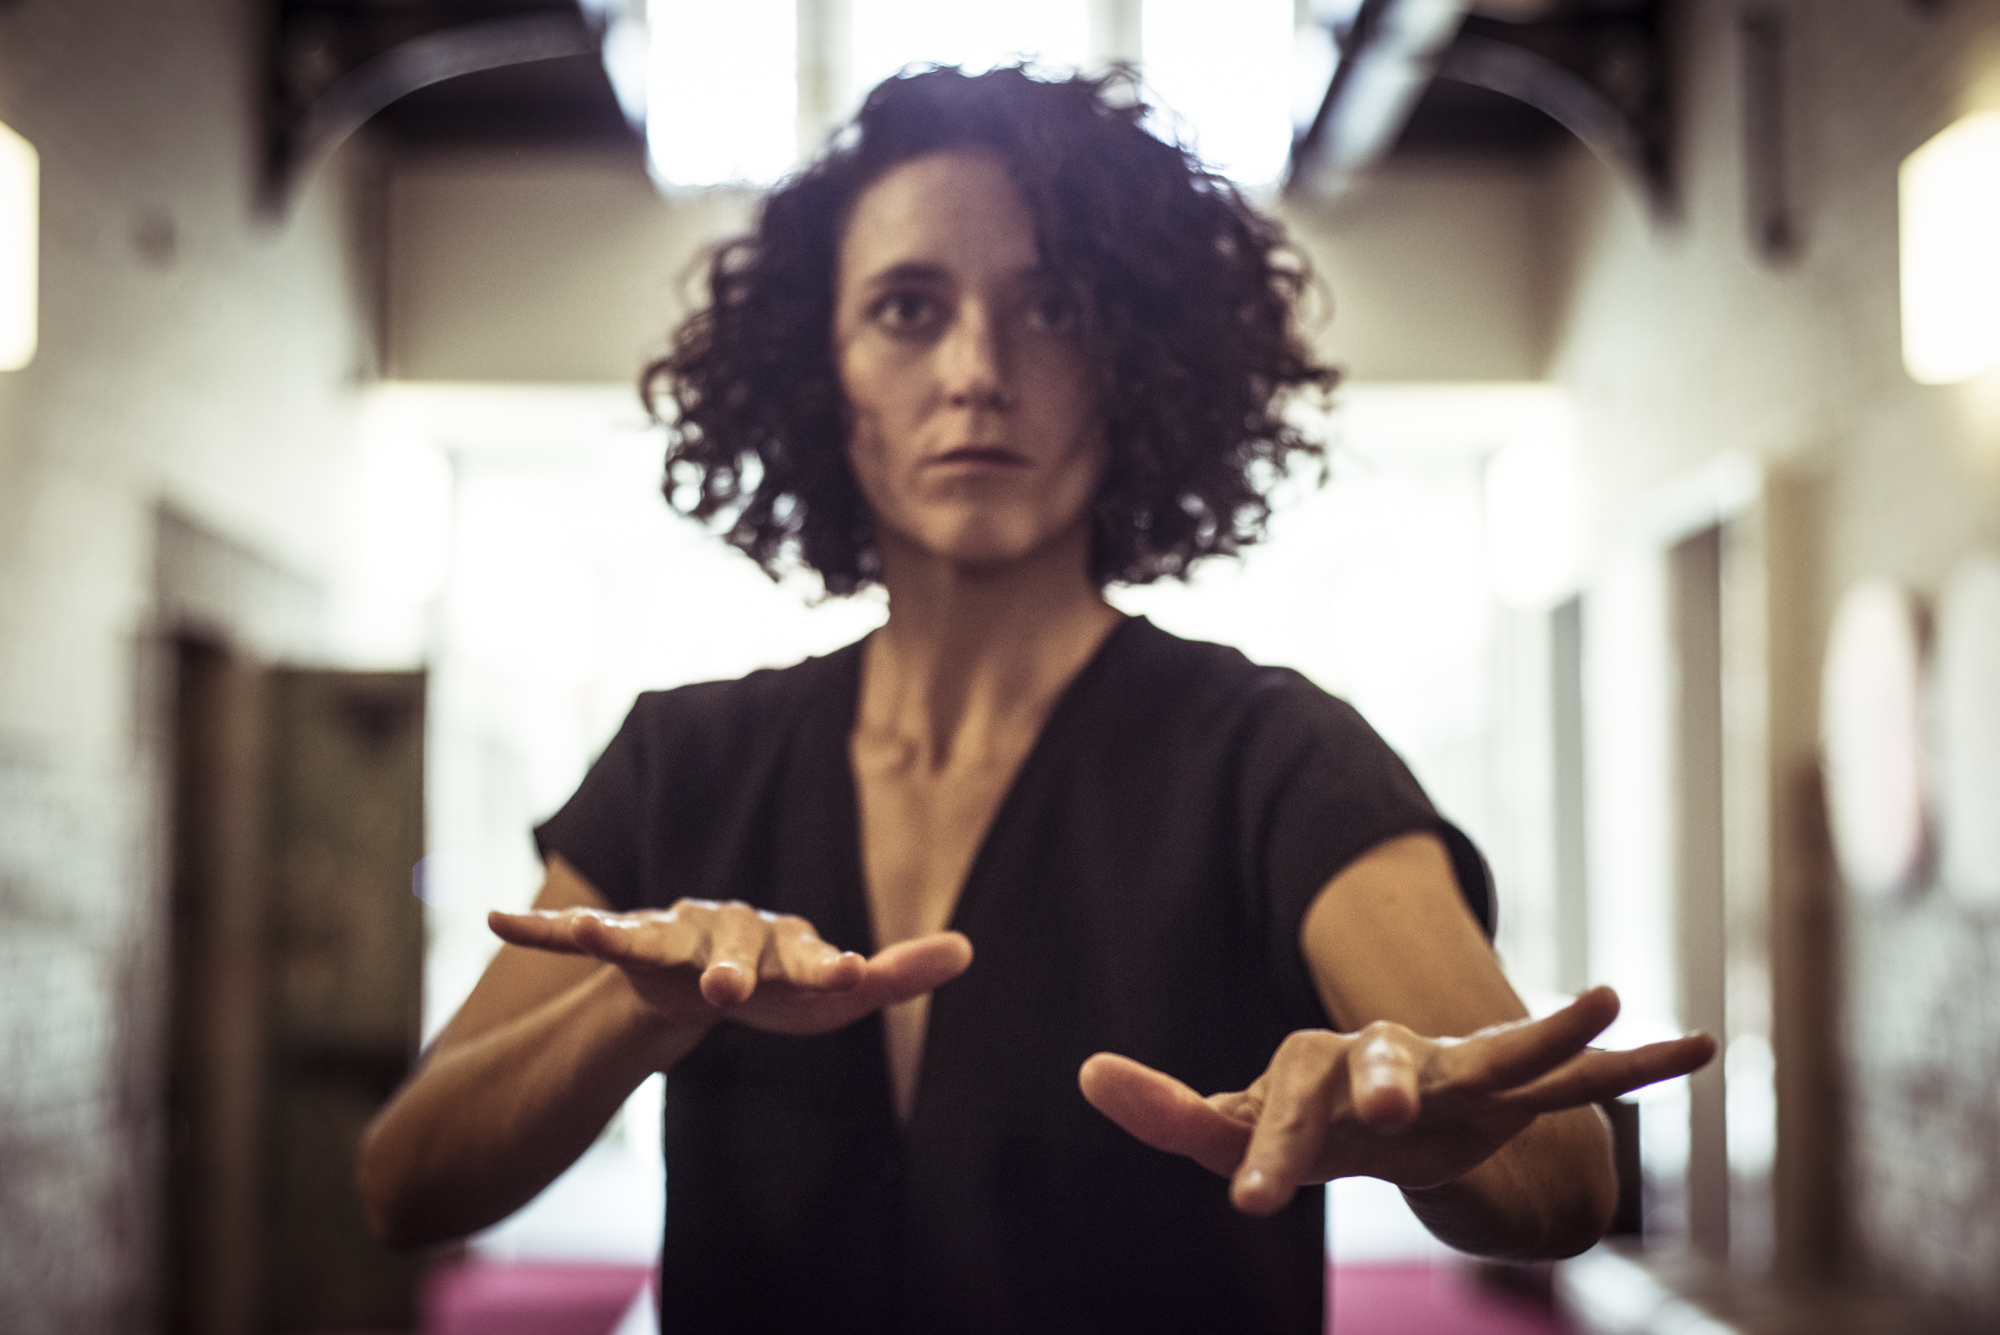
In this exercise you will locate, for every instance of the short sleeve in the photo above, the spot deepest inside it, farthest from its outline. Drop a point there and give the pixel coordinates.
(1335, 791)
(598, 830)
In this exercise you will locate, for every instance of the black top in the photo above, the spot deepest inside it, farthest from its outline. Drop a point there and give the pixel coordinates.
(1140, 891)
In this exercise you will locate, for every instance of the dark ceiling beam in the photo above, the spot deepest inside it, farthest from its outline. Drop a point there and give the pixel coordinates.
(1597, 68)
(341, 73)
(1565, 98)
(1388, 52)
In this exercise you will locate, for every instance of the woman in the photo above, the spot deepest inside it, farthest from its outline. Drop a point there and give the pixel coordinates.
(998, 348)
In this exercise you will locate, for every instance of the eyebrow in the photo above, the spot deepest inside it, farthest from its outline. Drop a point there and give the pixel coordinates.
(910, 271)
(918, 271)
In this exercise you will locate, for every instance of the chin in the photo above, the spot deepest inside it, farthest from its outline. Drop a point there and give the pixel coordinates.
(989, 547)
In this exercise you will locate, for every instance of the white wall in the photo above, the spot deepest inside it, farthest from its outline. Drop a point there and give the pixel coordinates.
(545, 268)
(1679, 343)
(1436, 273)
(193, 352)
(540, 267)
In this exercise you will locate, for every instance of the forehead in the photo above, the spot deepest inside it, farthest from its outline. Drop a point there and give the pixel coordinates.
(957, 211)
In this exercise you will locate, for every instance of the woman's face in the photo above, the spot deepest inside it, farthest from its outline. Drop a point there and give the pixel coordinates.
(976, 433)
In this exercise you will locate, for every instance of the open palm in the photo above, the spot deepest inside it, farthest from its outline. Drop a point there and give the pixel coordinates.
(769, 971)
(1383, 1102)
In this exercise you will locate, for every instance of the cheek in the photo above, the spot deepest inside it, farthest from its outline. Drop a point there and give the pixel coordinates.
(861, 409)
(1076, 417)
(1063, 398)
(866, 453)
(878, 406)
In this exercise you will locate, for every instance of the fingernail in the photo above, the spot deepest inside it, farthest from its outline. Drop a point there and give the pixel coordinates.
(1254, 1180)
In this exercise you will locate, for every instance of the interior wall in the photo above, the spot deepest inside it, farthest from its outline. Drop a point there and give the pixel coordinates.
(1433, 272)
(1680, 342)
(540, 267)
(196, 353)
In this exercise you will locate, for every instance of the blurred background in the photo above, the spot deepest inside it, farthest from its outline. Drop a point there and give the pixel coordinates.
(1660, 540)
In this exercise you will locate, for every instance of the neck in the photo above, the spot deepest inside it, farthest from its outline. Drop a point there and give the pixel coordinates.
(969, 653)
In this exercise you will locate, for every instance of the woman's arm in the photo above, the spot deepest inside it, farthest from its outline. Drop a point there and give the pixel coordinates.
(1390, 939)
(516, 1086)
(1492, 1136)
(570, 1016)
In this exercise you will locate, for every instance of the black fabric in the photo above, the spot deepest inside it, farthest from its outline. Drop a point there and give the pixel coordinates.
(1140, 891)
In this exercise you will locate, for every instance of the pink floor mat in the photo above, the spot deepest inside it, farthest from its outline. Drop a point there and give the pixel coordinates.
(526, 1298)
(568, 1299)
(1424, 1299)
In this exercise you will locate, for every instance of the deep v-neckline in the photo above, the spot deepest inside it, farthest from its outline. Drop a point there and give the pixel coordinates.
(967, 898)
(1031, 759)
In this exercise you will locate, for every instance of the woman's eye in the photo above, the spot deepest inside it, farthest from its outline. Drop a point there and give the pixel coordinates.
(1052, 315)
(905, 311)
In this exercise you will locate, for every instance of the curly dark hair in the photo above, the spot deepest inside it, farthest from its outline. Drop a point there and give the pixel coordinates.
(1186, 294)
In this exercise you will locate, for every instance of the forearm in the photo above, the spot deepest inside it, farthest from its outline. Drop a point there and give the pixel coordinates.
(490, 1121)
(1547, 1193)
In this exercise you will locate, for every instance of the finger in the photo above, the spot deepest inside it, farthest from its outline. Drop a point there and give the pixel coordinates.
(1512, 1054)
(647, 939)
(1593, 1077)
(912, 968)
(1292, 1124)
(804, 960)
(539, 929)
(737, 936)
(1239, 1105)
(1158, 1110)
(1384, 1064)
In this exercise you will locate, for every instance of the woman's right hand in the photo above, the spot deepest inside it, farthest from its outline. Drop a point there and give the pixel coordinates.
(703, 960)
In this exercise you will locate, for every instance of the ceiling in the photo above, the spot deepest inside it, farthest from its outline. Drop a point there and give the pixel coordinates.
(568, 101)
(1611, 44)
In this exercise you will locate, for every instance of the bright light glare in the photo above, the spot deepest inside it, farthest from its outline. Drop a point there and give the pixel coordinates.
(1314, 61)
(628, 58)
(1951, 258)
(886, 35)
(397, 570)
(1224, 75)
(1531, 521)
(20, 226)
(406, 517)
(722, 91)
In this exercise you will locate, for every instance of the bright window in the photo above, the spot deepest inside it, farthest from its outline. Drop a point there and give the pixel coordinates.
(1224, 74)
(1951, 253)
(722, 91)
(886, 35)
(20, 226)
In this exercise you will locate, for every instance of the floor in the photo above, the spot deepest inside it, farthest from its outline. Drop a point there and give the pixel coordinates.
(1429, 1298)
(574, 1298)
(576, 1261)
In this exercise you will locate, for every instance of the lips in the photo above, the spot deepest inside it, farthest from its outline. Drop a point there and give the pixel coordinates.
(989, 456)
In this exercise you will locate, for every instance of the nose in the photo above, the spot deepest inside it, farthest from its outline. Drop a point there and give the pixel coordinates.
(974, 362)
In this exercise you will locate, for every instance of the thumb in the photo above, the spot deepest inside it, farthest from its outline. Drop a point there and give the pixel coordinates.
(1158, 1110)
(912, 968)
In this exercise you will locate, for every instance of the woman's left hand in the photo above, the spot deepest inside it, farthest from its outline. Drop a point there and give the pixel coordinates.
(1383, 1102)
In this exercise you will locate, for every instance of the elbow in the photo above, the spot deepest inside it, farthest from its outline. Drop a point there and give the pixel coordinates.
(1586, 1210)
(1582, 1228)
(385, 1195)
(1555, 1192)
(390, 1225)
